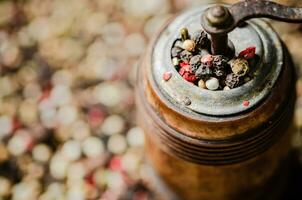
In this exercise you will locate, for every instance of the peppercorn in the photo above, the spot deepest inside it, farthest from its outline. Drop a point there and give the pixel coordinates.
(203, 71)
(167, 76)
(182, 64)
(189, 77)
(201, 84)
(175, 52)
(186, 55)
(245, 103)
(184, 33)
(187, 73)
(226, 88)
(175, 61)
(207, 59)
(212, 83)
(201, 38)
(195, 62)
(189, 45)
(219, 64)
(248, 53)
(185, 69)
(232, 80)
(239, 66)
(218, 72)
(220, 61)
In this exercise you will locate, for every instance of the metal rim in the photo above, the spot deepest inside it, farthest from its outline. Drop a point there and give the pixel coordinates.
(216, 103)
(215, 152)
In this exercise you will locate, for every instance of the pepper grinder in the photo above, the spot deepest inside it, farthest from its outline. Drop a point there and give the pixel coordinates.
(212, 145)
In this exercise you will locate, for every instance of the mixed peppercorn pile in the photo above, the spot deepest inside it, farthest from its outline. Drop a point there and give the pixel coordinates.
(191, 56)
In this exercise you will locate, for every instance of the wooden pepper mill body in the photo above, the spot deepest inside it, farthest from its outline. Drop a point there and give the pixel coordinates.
(212, 157)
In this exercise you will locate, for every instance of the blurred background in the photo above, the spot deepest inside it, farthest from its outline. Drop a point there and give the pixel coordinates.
(67, 114)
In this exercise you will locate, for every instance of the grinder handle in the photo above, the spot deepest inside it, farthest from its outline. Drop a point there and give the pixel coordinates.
(219, 20)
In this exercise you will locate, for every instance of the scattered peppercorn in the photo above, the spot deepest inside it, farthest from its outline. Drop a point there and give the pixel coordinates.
(195, 62)
(182, 64)
(190, 77)
(207, 59)
(219, 63)
(184, 34)
(232, 80)
(202, 84)
(226, 88)
(212, 83)
(167, 76)
(240, 66)
(185, 69)
(201, 38)
(186, 55)
(220, 60)
(248, 53)
(175, 61)
(203, 71)
(189, 45)
(246, 103)
(187, 73)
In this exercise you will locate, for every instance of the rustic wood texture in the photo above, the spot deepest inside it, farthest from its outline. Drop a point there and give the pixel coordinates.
(261, 177)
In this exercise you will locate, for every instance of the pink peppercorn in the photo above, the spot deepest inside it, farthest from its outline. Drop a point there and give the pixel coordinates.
(96, 116)
(185, 69)
(190, 77)
(207, 59)
(116, 163)
(182, 64)
(167, 76)
(248, 53)
(246, 103)
(187, 73)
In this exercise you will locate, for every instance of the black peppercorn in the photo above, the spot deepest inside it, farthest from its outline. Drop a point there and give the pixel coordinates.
(195, 62)
(186, 55)
(201, 38)
(175, 52)
(204, 71)
(220, 61)
(218, 72)
(220, 64)
(232, 80)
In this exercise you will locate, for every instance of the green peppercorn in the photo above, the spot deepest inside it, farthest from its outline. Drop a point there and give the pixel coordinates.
(239, 66)
(184, 34)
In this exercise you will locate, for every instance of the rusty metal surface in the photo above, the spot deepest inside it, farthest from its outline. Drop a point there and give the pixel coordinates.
(218, 103)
